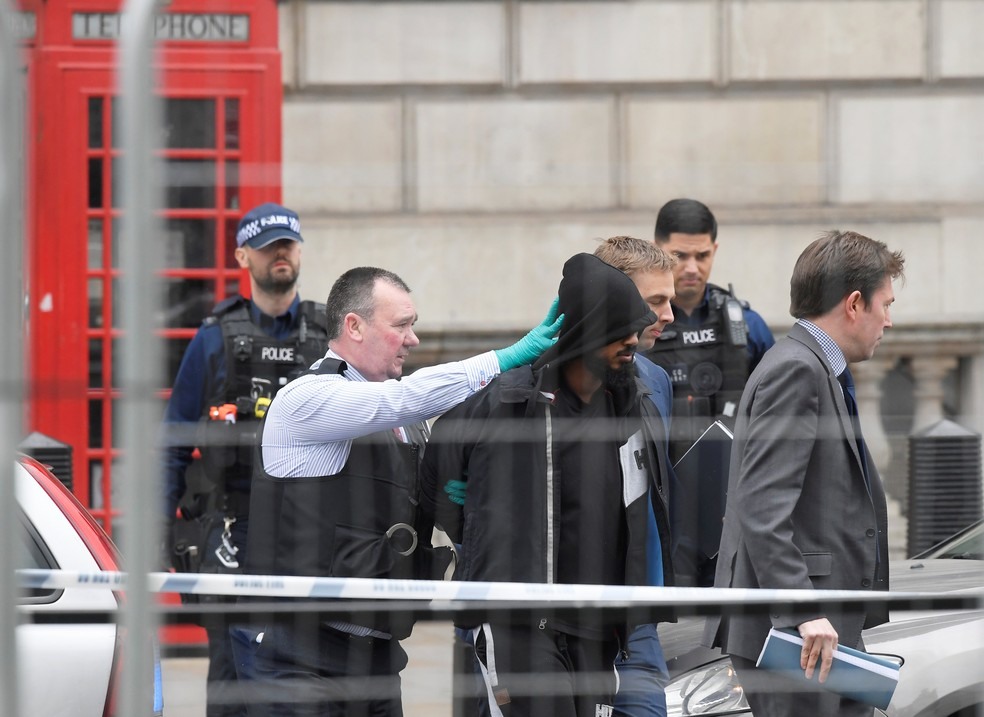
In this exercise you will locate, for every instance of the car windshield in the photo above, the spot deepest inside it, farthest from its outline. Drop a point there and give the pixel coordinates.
(966, 545)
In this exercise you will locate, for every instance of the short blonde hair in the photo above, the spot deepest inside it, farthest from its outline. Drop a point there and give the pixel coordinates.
(630, 255)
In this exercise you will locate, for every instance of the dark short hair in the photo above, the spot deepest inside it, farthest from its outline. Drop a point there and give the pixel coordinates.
(352, 293)
(685, 216)
(835, 265)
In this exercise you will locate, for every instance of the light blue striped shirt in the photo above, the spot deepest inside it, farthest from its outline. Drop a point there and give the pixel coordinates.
(312, 421)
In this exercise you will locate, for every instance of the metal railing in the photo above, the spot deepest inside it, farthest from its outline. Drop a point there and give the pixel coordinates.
(142, 258)
(11, 357)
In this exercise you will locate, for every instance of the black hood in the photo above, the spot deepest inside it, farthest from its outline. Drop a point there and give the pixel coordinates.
(600, 305)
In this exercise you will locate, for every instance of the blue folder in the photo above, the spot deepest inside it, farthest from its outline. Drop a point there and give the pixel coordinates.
(855, 674)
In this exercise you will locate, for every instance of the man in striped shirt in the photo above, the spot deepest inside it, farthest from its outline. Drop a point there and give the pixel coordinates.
(335, 492)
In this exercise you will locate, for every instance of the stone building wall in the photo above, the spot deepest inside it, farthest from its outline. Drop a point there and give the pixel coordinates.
(473, 146)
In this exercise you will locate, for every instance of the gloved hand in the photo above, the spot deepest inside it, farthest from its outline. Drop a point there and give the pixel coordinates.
(456, 490)
(529, 348)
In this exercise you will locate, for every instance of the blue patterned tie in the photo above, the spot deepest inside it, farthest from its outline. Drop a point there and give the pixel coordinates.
(850, 397)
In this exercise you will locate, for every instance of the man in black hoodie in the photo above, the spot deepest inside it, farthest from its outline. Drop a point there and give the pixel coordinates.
(563, 464)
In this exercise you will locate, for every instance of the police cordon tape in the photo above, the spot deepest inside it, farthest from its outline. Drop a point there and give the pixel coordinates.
(274, 586)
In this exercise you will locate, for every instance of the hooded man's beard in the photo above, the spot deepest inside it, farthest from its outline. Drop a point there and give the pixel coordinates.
(619, 379)
(611, 378)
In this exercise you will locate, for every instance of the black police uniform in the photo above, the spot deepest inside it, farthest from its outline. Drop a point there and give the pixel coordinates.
(708, 363)
(360, 522)
(256, 366)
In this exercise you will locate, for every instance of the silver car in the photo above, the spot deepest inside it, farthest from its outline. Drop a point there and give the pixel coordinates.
(942, 651)
(66, 667)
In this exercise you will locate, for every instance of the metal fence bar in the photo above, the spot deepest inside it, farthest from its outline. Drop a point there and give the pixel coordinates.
(11, 358)
(142, 364)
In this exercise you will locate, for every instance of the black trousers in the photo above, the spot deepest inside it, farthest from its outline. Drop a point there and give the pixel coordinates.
(531, 672)
(306, 669)
(222, 697)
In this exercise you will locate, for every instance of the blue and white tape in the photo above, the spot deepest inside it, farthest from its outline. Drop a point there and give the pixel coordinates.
(273, 586)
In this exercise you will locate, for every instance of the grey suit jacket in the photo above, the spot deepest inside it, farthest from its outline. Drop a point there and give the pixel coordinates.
(799, 514)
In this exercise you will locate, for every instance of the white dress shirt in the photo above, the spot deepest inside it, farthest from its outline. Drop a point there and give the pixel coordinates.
(312, 421)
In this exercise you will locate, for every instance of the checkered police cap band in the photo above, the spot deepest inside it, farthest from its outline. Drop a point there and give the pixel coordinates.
(267, 223)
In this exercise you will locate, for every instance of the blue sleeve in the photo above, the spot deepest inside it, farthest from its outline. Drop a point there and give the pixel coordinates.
(658, 383)
(665, 406)
(760, 339)
(202, 369)
(661, 395)
(643, 676)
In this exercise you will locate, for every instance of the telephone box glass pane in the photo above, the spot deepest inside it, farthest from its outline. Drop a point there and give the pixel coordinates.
(189, 124)
(187, 302)
(95, 182)
(232, 123)
(189, 183)
(95, 246)
(95, 483)
(95, 423)
(230, 243)
(232, 185)
(190, 243)
(95, 303)
(95, 122)
(95, 363)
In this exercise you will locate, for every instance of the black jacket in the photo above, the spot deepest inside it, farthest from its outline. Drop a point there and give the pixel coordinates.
(499, 440)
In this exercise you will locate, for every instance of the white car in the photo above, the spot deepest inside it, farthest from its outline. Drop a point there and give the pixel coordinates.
(66, 666)
(942, 651)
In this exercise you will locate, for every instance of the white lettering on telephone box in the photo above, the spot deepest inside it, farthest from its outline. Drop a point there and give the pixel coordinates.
(193, 27)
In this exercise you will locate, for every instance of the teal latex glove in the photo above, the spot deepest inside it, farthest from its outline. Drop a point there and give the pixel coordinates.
(456, 490)
(529, 348)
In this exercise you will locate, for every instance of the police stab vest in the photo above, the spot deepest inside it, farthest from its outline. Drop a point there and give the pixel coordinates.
(708, 366)
(357, 523)
(257, 365)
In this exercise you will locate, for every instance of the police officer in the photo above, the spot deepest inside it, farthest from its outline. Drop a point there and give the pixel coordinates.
(709, 350)
(336, 494)
(243, 353)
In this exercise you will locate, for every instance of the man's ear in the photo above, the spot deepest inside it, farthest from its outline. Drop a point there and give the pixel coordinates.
(854, 305)
(240, 255)
(352, 326)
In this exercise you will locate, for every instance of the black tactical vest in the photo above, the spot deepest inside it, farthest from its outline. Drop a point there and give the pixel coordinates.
(360, 522)
(257, 365)
(708, 366)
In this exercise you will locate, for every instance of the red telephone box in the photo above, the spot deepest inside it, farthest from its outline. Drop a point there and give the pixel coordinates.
(219, 74)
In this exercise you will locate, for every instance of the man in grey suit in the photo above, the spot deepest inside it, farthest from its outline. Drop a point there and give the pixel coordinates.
(806, 507)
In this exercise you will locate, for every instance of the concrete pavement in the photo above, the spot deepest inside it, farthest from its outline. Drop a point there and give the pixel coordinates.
(426, 680)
